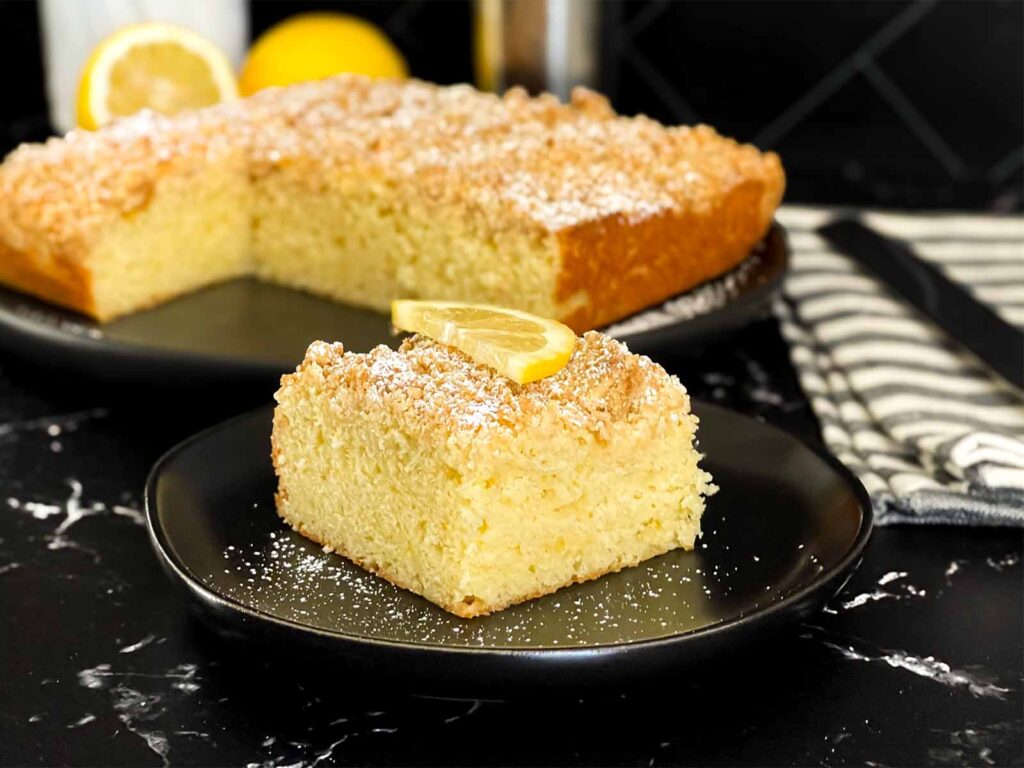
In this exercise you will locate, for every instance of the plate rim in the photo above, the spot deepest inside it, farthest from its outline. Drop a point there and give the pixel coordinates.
(23, 335)
(106, 347)
(840, 571)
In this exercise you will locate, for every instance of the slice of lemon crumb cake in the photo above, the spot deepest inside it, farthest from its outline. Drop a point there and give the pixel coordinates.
(448, 478)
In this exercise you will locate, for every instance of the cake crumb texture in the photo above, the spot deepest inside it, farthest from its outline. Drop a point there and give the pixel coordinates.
(478, 493)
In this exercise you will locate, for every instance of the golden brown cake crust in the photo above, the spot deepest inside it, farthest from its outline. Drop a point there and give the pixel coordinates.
(626, 268)
(60, 281)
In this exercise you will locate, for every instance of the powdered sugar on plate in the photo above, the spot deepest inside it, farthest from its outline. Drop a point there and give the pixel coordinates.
(703, 299)
(288, 577)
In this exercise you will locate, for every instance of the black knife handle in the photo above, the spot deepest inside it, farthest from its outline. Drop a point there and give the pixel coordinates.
(946, 303)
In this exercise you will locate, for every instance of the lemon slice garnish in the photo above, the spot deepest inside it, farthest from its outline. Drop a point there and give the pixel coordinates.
(152, 66)
(518, 345)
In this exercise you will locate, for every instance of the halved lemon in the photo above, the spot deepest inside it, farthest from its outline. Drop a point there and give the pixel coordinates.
(156, 66)
(518, 345)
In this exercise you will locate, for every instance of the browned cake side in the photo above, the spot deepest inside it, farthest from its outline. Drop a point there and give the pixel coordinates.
(627, 267)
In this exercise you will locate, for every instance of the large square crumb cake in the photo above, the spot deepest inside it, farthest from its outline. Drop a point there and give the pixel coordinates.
(453, 481)
(365, 190)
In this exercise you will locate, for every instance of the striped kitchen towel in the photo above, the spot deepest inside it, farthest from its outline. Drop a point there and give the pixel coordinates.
(933, 435)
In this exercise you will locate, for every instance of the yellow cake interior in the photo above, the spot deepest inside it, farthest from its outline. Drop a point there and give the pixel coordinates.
(194, 232)
(368, 243)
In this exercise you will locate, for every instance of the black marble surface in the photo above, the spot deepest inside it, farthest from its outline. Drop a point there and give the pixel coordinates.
(918, 662)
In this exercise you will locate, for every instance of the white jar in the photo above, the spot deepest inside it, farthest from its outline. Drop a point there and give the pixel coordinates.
(72, 28)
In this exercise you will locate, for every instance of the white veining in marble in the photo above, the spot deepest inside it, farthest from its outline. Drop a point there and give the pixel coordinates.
(759, 387)
(328, 753)
(317, 753)
(52, 425)
(973, 744)
(867, 597)
(84, 720)
(1002, 563)
(140, 644)
(74, 510)
(864, 598)
(472, 708)
(891, 576)
(136, 709)
(924, 666)
(37, 509)
(96, 677)
(92, 678)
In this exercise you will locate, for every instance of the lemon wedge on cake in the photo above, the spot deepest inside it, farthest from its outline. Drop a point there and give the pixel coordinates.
(312, 46)
(152, 66)
(518, 345)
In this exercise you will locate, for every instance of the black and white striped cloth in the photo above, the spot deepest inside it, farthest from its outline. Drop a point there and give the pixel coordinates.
(931, 433)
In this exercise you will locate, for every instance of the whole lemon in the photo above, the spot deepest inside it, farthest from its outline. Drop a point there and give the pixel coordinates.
(312, 46)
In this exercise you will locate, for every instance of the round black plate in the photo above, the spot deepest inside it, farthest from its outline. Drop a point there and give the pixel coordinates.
(245, 330)
(781, 537)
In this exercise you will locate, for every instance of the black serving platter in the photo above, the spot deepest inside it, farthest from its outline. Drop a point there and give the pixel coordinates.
(781, 537)
(248, 331)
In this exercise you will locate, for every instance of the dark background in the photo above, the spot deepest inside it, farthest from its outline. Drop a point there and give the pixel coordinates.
(890, 103)
(897, 104)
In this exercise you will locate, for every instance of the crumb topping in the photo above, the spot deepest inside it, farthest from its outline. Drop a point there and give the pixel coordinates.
(433, 388)
(55, 195)
(555, 165)
(514, 159)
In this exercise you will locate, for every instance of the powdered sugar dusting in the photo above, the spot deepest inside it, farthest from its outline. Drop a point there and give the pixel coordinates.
(511, 161)
(280, 573)
(58, 320)
(437, 392)
(291, 577)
